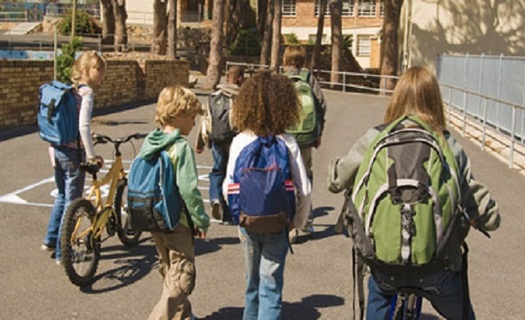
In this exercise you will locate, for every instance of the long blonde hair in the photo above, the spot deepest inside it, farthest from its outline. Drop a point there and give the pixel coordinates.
(84, 63)
(417, 93)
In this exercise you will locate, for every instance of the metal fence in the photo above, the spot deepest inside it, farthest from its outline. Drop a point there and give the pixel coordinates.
(488, 89)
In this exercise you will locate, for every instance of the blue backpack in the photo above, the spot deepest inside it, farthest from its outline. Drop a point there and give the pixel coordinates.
(57, 115)
(154, 200)
(261, 197)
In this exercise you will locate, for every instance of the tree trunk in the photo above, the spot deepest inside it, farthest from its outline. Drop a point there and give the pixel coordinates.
(108, 22)
(160, 22)
(336, 8)
(267, 35)
(121, 37)
(213, 74)
(276, 36)
(261, 12)
(389, 43)
(319, 37)
(172, 30)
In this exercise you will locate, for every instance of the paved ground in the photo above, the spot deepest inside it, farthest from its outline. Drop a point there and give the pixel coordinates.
(318, 282)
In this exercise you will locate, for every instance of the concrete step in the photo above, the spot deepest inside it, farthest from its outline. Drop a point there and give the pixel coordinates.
(23, 28)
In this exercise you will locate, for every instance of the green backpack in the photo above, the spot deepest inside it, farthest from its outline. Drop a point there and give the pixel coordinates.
(305, 131)
(405, 202)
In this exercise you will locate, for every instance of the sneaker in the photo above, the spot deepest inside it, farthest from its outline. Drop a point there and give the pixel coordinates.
(227, 223)
(47, 248)
(58, 262)
(216, 210)
(308, 229)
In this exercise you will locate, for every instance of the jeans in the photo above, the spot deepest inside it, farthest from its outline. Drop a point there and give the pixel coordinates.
(264, 256)
(69, 180)
(220, 153)
(443, 288)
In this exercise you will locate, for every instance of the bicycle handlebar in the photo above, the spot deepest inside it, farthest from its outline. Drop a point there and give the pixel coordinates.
(100, 138)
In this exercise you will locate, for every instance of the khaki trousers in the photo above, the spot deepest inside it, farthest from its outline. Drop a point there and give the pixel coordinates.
(177, 266)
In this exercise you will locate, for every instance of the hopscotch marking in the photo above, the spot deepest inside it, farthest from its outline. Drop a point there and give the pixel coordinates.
(15, 197)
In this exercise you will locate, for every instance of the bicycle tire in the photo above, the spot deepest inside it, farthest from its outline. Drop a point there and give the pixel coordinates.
(126, 234)
(80, 253)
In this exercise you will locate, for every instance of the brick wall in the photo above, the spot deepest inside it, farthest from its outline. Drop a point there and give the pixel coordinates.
(164, 73)
(126, 82)
(19, 83)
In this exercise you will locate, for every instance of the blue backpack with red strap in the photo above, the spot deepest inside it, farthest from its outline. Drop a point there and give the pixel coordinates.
(262, 196)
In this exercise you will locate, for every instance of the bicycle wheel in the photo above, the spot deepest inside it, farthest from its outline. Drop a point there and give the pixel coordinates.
(126, 234)
(80, 253)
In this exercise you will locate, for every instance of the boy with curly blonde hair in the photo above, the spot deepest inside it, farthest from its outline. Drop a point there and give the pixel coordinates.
(176, 110)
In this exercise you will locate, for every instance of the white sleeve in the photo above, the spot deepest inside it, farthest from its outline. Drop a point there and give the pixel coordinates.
(84, 121)
(302, 185)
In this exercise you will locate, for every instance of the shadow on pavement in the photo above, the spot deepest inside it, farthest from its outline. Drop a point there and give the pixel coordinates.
(213, 245)
(306, 309)
(129, 266)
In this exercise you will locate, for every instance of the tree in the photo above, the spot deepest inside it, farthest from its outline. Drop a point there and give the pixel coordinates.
(267, 34)
(336, 8)
(121, 37)
(319, 37)
(213, 74)
(159, 27)
(276, 36)
(172, 30)
(389, 43)
(108, 21)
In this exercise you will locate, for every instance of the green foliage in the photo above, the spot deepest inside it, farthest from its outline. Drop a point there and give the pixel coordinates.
(66, 60)
(247, 43)
(84, 24)
(347, 43)
(292, 38)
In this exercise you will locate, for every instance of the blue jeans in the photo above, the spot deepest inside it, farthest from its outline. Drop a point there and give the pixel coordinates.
(69, 180)
(444, 289)
(220, 153)
(264, 256)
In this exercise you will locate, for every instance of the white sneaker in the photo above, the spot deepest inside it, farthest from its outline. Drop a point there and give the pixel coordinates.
(47, 248)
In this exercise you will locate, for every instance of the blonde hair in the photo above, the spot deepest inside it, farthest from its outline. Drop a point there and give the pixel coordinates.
(294, 56)
(267, 104)
(176, 101)
(417, 93)
(87, 61)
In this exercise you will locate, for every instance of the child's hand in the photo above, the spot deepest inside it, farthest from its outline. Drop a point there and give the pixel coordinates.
(99, 160)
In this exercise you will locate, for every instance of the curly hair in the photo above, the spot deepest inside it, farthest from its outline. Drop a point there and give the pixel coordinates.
(86, 61)
(267, 104)
(175, 101)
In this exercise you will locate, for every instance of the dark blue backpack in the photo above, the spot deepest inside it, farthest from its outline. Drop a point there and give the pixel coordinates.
(261, 197)
(57, 115)
(154, 200)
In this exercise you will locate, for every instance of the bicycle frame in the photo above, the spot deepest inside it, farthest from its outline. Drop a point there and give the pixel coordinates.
(105, 208)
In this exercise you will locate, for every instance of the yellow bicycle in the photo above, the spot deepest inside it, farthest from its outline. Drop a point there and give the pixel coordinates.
(86, 218)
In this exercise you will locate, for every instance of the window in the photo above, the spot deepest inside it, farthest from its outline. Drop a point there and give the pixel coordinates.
(363, 45)
(382, 8)
(367, 8)
(348, 8)
(289, 8)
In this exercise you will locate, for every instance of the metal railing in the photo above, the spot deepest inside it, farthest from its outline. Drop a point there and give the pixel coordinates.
(19, 16)
(350, 81)
(514, 128)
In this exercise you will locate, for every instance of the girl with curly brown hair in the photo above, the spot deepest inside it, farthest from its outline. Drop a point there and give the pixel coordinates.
(267, 104)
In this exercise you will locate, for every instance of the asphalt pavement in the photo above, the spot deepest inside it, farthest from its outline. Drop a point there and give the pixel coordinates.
(318, 280)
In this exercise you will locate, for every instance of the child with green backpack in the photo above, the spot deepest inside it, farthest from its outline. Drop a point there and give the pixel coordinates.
(308, 131)
(411, 199)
